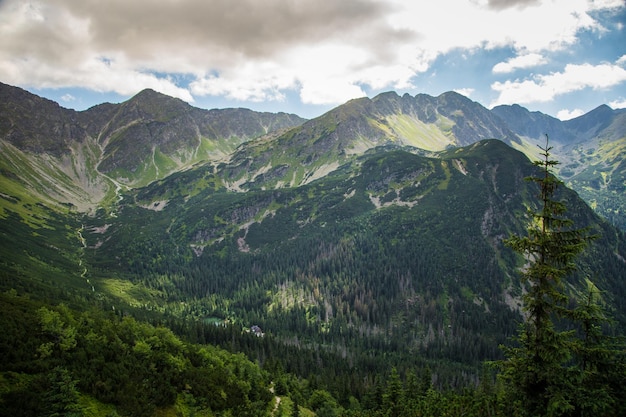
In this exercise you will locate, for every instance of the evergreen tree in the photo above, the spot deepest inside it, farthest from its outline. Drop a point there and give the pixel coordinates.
(61, 398)
(393, 397)
(295, 409)
(600, 359)
(412, 392)
(537, 369)
(426, 381)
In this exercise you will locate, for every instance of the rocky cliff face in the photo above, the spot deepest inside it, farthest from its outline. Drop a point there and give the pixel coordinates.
(151, 126)
(37, 125)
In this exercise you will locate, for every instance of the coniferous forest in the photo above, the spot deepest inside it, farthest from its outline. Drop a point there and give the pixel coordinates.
(82, 357)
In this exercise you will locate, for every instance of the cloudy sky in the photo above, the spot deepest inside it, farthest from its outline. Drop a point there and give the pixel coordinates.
(561, 57)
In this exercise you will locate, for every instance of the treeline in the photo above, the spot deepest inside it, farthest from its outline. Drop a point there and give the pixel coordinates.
(349, 372)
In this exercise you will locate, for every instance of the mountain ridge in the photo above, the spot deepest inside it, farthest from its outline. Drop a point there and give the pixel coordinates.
(85, 158)
(322, 144)
(591, 149)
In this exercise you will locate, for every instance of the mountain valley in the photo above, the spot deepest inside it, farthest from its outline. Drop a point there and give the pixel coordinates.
(369, 238)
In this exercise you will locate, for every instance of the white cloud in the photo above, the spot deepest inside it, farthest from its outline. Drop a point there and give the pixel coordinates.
(618, 104)
(327, 51)
(544, 88)
(606, 4)
(68, 97)
(329, 91)
(449, 24)
(566, 114)
(467, 92)
(115, 75)
(251, 81)
(519, 62)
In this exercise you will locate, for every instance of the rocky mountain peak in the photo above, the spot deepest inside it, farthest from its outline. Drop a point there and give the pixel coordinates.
(533, 125)
(152, 105)
(36, 124)
(592, 122)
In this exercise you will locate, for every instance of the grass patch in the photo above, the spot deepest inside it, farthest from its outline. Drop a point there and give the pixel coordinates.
(431, 137)
(132, 294)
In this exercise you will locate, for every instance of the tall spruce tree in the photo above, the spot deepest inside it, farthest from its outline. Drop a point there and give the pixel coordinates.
(599, 359)
(538, 370)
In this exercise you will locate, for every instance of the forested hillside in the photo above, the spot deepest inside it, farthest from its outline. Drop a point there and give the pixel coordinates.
(62, 362)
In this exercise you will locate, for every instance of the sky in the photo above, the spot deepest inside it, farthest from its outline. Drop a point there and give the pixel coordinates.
(561, 57)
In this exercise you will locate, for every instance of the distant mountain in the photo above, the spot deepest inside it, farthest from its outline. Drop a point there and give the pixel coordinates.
(80, 158)
(321, 145)
(600, 122)
(532, 124)
(591, 149)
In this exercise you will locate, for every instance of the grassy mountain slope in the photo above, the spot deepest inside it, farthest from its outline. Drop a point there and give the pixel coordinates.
(62, 158)
(46, 156)
(591, 149)
(321, 145)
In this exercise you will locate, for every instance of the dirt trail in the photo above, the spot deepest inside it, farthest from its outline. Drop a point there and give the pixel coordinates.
(80, 261)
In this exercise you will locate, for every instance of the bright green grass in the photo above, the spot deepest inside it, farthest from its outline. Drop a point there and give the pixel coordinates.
(431, 137)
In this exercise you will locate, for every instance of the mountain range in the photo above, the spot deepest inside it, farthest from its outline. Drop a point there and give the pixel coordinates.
(374, 229)
(81, 158)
